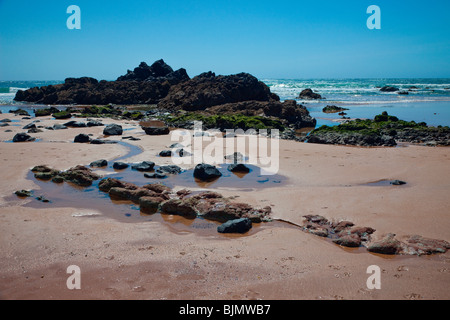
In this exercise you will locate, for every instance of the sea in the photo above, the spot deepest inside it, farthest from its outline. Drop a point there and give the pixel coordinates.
(428, 100)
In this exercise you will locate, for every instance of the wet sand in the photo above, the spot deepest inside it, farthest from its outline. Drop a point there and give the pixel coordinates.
(164, 257)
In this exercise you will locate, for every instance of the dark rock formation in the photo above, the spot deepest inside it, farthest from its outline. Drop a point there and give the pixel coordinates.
(387, 245)
(106, 184)
(82, 138)
(23, 137)
(23, 193)
(143, 166)
(397, 182)
(352, 138)
(238, 167)
(158, 71)
(99, 163)
(156, 131)
(207, 90)
(144, 85)
(235, 226)
(113, 130)
(333, 109)
(120, 165)
(308, 94)
(289, 112)
(389, 89)
(170, 169)
(179, 207)
(206, 172)
(165, 153)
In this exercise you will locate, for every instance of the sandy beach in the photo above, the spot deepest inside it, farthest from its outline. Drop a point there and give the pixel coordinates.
(157, 259)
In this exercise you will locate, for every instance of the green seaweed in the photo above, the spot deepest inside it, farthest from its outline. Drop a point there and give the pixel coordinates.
(227, 121)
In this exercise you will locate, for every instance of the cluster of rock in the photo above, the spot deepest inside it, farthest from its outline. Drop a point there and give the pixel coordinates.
(383, 130)
(352, 138)
(79, 175)
(145, 85)
(346, 234)
(160, 198)
(174, 91)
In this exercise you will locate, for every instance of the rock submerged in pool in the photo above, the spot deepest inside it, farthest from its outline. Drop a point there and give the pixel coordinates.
(120, 165)
(99, 163)
(206, 172)
(23, 193)
(143, 166)
(238, 167)
(397, 182)
(235, 226)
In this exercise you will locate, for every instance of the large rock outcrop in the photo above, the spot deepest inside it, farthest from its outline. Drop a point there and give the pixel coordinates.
(207, 90)
(145, 85)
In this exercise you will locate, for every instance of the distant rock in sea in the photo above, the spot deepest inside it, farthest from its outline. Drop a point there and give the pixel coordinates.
(172, 91)
(145, 85)
(308, 94)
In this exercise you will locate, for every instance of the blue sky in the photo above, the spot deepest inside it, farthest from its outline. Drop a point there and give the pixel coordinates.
(269, 39)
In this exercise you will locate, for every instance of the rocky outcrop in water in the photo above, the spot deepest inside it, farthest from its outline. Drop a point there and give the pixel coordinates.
(383, 130)
(207, 90)
(308, 94)
(145, 85)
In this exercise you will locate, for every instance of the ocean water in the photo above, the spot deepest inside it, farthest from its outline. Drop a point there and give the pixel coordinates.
(428, 100)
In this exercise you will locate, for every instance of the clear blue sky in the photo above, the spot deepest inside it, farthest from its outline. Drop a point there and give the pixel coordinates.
(269, 39)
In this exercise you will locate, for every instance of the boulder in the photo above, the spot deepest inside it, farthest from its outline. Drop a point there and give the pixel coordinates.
(235, 226)
(157, 187)
(179, 207)
(389, 89)
(106, 184)
(333, 109)
(156, 131)
(165, 153)
(150, 204)
(308, 94)
(23, 137)
(207, 90)
(99, 163)
(418, 245)
(170, 169)
(23, 193)
(79, 175)
(238, 167)
(155, 175)
(113, 130)
(143, 166)
(120, 165)
(58, 126)
(94, 123)
(349, 240)
(206, 172)
(75, 124)
(82, 138)
(387, 245)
